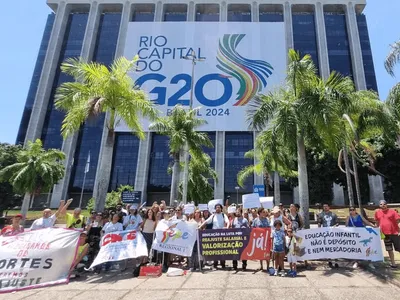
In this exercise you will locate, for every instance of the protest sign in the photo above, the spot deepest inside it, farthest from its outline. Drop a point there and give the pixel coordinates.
(176, 237)
(251, 200)
(267, 202)
(235, 244)
(232, 209)
(36, 258)
(203, 207)
(212, 203)
(188, 209)
(336, 242)
(120, 245)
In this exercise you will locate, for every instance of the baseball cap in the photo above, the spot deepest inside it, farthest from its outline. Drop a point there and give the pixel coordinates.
(382, 202)
(19, 216)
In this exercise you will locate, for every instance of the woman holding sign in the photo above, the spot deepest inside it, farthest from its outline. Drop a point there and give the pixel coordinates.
(262, 222)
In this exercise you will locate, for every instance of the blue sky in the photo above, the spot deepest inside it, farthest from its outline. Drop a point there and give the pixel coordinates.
(21, 32)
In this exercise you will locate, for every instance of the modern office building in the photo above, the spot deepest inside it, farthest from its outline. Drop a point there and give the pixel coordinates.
(334, 32)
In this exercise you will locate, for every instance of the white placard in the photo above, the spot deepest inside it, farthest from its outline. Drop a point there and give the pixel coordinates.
(232, 209)
(212, 203)
(267, 202)
(189, 209)
(251, 200)
(241, 60)
(203, 207)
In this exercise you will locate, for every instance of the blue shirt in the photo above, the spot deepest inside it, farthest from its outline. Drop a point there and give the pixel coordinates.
(240, 223)
(261, 223)
(357, 222)
(279, 237)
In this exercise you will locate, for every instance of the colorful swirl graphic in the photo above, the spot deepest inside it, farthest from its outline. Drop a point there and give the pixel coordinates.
(251, 74)
(165, 237)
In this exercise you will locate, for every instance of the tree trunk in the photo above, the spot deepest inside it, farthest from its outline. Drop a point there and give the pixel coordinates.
(25, 205)
(266, 185)
(31, 201)
(303, 180)
(277, 189)
(348, 176)
(175, 180)
(102, 181)
(357, 181)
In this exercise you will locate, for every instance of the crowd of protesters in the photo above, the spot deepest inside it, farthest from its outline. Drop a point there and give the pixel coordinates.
(283, 223)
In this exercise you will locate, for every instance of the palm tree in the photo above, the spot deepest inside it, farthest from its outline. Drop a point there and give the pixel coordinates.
(99, 89)
(393, 57)
(181, 127)
(393, 100)
(36, 170)
(271, 156)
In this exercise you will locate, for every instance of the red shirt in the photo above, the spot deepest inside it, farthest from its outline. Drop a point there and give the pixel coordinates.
(9, 230)
(388, 221)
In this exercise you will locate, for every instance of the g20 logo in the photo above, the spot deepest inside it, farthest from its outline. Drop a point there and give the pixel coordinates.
(199, 87)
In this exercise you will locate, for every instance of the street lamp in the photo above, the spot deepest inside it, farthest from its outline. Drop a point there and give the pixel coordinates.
(237, 194)
(190, 56)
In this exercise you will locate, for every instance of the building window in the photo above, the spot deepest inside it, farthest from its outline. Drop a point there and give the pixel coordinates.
(175, 13)
(236, 145)
(143, 12)
(90, 134)
(239, 13)
(125, 159)
(304, 35)
(207, 12)
(271, 13)
(338, 43)
(368, 61)
(160, 160)
(30, 100)
(71, 47)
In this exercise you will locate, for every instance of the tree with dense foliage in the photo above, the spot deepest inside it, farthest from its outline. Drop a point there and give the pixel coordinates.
(180, 126)
(35, 171)
(98, 89)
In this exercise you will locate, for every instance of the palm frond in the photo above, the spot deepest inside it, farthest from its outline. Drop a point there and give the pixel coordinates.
(392, 58)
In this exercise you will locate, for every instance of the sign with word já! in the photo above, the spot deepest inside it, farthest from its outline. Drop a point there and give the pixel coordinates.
(235, 244)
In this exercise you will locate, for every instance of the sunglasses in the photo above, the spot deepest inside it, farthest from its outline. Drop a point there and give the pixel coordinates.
(352, 209)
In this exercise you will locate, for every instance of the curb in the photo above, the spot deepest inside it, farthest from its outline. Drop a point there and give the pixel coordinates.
(382, 276)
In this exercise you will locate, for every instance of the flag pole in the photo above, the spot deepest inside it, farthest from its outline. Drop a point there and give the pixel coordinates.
(87, 166)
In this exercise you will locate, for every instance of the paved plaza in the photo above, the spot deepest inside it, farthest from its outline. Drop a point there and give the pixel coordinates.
(319, 283)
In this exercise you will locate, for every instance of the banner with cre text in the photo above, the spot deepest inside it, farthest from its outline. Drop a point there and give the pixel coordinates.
(339, 242)
(36, 258)
(120, 245)
(236, 244)
(175, 236)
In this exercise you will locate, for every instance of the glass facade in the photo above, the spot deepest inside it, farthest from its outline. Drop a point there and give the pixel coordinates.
(143, 13)
(368, 61)
(305, 35)
(207, 12)
(338, 43)
(71, 47)
(239, 13)
(270, 17)
(125, 159)
(30, 100)
(236, 145)
(91, 132)
(159, 179)
(175, 13)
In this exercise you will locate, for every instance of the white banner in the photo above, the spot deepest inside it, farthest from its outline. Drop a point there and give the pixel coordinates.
(339, 242)
(176, 237)
(239, 61)
(121, 245)
(36, 258)
(267, 202)
(251, 200)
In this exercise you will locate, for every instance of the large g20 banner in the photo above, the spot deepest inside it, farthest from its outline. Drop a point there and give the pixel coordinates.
(240, 60)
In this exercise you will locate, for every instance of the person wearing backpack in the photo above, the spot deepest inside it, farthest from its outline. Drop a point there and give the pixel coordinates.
(219, 220)
(240, 222)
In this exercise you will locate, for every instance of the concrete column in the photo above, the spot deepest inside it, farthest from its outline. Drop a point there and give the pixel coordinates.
(287, 12)
(258, 178)
(323, 56)
(103, 171)
(355, 47)
(158, 15)
(49, 70)
(223, 13)
(375, 188)
(191, 12)
(69, 145)
(143, 164)
(338, 194)
(219, 187)
(296, 196)
(255, 12)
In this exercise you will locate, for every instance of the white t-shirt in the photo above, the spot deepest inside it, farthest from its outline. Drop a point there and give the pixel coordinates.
(175, 218)
(44, 223)
(218, 220)
(110, 227)
(273, 219)
(132, 222)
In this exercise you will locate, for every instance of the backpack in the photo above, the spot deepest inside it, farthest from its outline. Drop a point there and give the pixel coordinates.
(210, 226)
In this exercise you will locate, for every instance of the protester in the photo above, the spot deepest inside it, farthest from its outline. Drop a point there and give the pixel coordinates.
(262, 222)
(194, 262)
(291, 254)
(219, 221)
(278, 242)
(240, 222)
(328, 219)
(148, 228)
(14, 228)
(94, 236)
(133, 221)
(388, 221)
(48, 219)
(83, 250)
(277, 215)
(121, 212)
(356, 220)
(75, 220)
(295, 218)
(112, 226)
(179, 215)
(162, 206)
(155, 208)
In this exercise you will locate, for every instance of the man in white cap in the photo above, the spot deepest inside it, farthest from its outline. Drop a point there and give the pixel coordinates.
(388, 221)
(133, 220)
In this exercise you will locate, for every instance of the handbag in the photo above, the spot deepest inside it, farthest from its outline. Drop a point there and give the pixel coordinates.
(151, 270)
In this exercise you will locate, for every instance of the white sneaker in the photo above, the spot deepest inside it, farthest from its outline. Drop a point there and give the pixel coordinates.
(283, 274)
(276, 273)
(355, 265)
(371, 266)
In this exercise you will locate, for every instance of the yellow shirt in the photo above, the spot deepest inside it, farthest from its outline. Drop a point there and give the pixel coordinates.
(71, 220)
